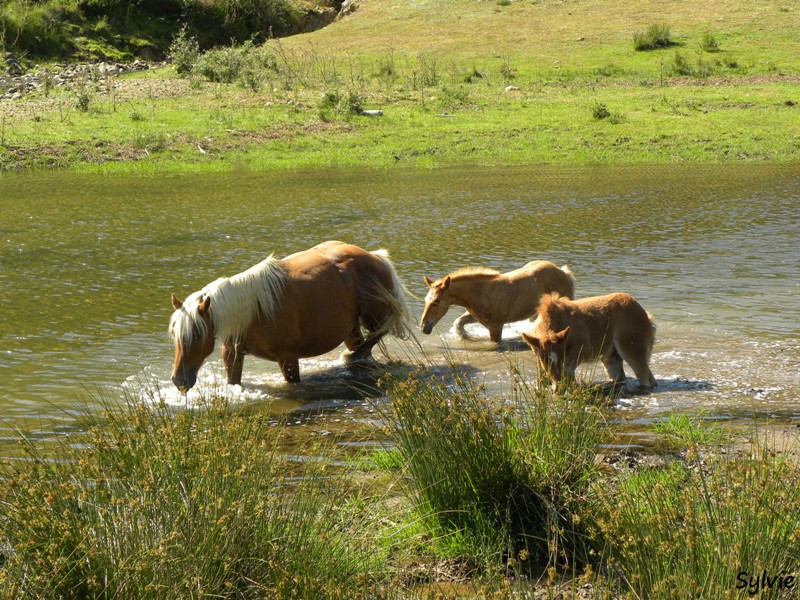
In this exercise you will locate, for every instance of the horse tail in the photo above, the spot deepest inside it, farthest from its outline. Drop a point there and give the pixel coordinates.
(571, 277)
(397, 322)
(653, 329)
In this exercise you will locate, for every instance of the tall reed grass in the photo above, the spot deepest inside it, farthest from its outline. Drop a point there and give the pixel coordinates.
(188, 505)
(498, 479)
(706, 529)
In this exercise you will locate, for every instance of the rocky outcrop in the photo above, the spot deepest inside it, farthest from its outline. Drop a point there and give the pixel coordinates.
(24, 79)
(349, 7)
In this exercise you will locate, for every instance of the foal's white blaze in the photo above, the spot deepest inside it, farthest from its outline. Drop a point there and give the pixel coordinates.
(554, 358)
(429, 296)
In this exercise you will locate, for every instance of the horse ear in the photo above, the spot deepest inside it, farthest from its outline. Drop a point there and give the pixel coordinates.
(202, 308)
(446, 282)
(562, 335)
(428, 281)
(175, 302)
(533, 342)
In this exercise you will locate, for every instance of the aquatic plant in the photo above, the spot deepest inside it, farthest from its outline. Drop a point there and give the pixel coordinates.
(497, 478)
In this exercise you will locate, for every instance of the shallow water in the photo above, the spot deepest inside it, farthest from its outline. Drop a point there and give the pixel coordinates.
(87, 264)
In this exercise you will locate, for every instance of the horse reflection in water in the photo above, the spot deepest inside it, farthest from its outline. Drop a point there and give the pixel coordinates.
(286, 309)
(492, 298)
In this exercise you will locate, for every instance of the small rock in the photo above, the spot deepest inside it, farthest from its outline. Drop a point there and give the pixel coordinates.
(512, 88)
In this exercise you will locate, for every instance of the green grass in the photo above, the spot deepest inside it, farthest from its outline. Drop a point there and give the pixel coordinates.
(505, 495)
(700, 529)
(197, 503)
(441, 85)
(494, 480)
(688, 429)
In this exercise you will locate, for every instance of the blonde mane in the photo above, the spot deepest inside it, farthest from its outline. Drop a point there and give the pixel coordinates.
(235, 303)
(473, 271)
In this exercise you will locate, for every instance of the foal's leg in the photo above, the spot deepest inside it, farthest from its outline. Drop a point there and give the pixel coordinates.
(637, 355)
(460, 325)
(613, 364)
(233, 359)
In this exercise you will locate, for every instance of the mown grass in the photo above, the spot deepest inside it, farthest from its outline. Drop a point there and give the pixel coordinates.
(441, 83)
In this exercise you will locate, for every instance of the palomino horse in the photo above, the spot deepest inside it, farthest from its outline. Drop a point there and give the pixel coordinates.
(493, 298)
(282, 310)
(612, 328)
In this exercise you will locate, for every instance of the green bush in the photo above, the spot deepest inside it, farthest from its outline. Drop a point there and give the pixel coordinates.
(656, 36)
(246, 64)
(184, 52)
(347, 105)
(600, 111)
(709, 42)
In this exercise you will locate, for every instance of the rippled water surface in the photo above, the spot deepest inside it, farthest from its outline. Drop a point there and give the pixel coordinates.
(87, 264)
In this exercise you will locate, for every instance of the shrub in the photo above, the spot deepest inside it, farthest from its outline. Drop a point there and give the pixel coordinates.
(709, 43)
(600, 111)
(656, 36)
(184, 52)
(680, 65)
(246, 63)
(344, 105)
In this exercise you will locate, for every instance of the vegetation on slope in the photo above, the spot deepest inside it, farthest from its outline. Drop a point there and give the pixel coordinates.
(476, 82)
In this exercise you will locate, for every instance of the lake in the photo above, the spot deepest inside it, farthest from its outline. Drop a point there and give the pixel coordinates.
(88, 263)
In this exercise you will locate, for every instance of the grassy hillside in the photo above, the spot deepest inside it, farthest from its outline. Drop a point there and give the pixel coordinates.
(457, 82)
(576, 36)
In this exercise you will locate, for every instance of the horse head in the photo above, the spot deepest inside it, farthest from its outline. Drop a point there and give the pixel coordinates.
(550, 350)
(192, 332)
(437, 302)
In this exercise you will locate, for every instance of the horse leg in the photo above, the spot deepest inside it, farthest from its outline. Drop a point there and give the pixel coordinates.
(233, 359)
(495, 332)
(613, 364)
(355, 339)
(460, 325)
(364, 351)
(636, 356)
(290, 367)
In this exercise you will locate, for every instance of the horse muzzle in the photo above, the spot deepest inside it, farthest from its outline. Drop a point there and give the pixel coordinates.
(185, 380)
(426, 327)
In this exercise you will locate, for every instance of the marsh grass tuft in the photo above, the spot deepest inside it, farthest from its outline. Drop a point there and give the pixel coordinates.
(163, 504)
(494, 478)
(688, 530)
(691, 429)
(656, 36)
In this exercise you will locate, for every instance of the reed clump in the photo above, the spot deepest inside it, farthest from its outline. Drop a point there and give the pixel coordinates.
(162, 505)
(498, 480)
(704, 527)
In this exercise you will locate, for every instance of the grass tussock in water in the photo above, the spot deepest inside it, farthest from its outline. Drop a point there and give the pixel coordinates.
(498, 480)
(194, 504)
